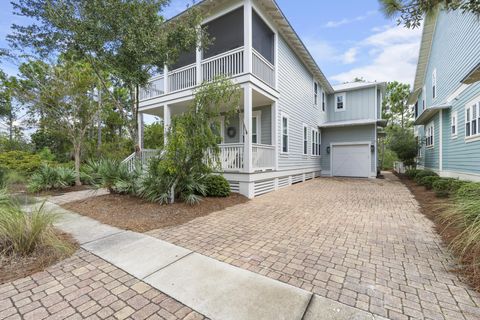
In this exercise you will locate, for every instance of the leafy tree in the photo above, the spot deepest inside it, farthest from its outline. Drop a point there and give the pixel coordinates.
(411, 12)
(404, 144)
(127, 38)
(9, 109)
(395, 104)
(153, 136)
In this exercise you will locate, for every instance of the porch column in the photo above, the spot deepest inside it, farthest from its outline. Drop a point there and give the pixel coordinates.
(199, 59)
(140, 130)
(275, 131)
(165, 79)
(247, 128)
(247, 28)
(166, 122)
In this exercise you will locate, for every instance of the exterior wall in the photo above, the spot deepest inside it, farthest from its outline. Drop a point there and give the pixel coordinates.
(295, 84)
(455, 52)
(265, 126)
(344, 135)
(360, 104)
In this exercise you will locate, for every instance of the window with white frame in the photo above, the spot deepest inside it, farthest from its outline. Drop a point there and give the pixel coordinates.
(315, 93)
(256, 128)
(429, 135)
(315, 142)
(323, 101)
(424, 103)
(434, 83)
(453, 124)
(340, 101)
(305, 139)
(284, 133)
(472, 119)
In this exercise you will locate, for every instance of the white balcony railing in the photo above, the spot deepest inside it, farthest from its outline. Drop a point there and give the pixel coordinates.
(183, 78)
(155, 88)
(231, 156)
(229, 64)
(142, 158)
(263, 69)
(263, 157)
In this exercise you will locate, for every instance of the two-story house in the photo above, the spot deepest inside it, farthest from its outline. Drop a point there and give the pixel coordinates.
(293, 124)
(446, 95)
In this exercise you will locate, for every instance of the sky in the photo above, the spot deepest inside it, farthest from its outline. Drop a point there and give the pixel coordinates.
(347, 38)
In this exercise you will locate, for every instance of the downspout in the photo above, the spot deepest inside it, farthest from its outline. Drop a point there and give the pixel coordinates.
(440, 151)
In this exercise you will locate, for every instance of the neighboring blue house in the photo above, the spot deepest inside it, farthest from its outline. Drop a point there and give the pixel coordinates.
(447, 95)
(293, 125)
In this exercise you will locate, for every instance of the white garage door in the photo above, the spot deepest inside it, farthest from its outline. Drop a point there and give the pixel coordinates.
(351, 160)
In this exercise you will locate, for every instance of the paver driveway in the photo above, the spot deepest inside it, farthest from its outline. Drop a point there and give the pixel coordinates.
(361, 242)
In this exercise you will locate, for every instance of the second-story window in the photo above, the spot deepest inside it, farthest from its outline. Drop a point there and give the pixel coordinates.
(315, 93)
(424, 103)
(434, 83)
(284, 133)
(472, 119)
(453, 124)
(323, 101)
(340, 101)
(429, 135)
(305, 139)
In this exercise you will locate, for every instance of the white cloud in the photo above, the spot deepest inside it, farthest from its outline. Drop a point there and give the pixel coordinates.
(344, 21)
(324, 52)
(393, 54)
(350, 56)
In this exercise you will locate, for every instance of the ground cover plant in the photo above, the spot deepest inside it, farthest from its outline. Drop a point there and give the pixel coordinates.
(28, 240)
(454, 206)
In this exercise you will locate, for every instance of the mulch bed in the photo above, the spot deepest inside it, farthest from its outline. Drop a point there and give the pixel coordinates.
(432, 207)
(16, 267)
(132, 213)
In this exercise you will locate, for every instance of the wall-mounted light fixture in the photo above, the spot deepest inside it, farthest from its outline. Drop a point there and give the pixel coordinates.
(372, 148)
(328, 150)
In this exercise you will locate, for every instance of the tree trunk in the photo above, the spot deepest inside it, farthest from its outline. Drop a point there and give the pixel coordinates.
(77, 154)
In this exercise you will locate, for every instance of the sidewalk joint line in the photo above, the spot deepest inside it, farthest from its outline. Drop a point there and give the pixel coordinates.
(148, 275)
(102, 238)
(308, 305)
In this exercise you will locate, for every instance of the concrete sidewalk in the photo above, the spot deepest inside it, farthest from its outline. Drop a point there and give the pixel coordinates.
(212, 288)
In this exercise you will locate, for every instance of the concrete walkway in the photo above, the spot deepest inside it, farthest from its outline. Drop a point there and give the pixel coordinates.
(210, 287)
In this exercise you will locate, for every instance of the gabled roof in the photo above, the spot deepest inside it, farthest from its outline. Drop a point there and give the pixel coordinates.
(285, 29)
(357, 85)
(429, 24)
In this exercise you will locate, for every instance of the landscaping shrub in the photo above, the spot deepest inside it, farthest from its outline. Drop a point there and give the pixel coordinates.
(217, 186)
(445, 187)
(90, 172)
(21, 161)
(3, 177)
(21, 233)
(423, 173)
(116, 177)
(428, 181)
(411, 173)
(49, 177)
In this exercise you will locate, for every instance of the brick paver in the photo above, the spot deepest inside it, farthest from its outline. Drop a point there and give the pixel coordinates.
(361, 242)
(87, 287)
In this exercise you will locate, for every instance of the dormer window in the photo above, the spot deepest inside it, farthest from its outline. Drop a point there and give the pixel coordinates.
(340, 101)
(315, 93)
(434, 83)
(323, 101)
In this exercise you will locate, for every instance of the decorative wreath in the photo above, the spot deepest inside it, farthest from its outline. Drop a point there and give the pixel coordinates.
(231, 132)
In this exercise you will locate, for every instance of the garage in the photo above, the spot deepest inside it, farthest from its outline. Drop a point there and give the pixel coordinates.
(352, 160)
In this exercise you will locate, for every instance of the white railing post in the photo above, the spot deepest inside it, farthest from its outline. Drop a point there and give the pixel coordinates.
(165, 79)
(247, 23)
(198, 61)
(247, 128)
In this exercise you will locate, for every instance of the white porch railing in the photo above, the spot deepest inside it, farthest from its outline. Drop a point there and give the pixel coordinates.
(263, 69)
(142, 158)
(229, 63)
(231, 156)
(182, 78)
(155, 88)
(263, 157)
(398, 167)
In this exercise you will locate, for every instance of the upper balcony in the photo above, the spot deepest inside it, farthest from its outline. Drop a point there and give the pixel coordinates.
(235, 50)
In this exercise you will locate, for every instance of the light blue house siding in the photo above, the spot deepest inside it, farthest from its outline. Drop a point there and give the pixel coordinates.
(455, 51)
(347, 134)
(360, 104)
(265, 126)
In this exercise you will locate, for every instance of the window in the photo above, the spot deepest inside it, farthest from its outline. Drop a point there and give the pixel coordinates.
(424, 104)
(416, 110)
(305, 139)
(472, 119)
(284, 133)
(315, 93)
(323, 101)
(340, 102)
(453, 124)
(315, 142)
(256, 128)
(434, 83)
(429, 135)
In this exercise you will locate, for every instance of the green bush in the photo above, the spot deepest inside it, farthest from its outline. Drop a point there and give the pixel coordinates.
(3, 177)
(48, 178)
(20, 161)
(117, 178)
(411, 173)
(428, 181)
(422, 174)
(217, 186)
(445, 187)
(469, 191)
(21, 233)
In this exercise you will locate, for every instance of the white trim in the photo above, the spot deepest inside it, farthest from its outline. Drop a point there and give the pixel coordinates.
(222, 13)
(434, 85)
(284, 115)
(440, 150)
(460, 175)
(472, 105)
(424, 98)
(316, 138)
(457, 92)
(324, 101)
(344, 96)
(305, 139)
(258, 116)
(375, 152)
